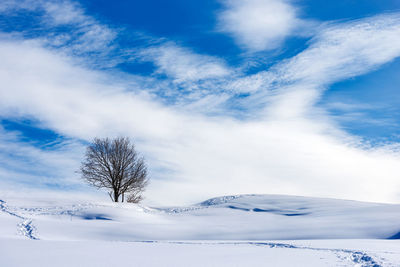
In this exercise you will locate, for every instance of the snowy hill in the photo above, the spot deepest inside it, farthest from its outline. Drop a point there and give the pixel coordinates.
(242, 217)
(242, 220)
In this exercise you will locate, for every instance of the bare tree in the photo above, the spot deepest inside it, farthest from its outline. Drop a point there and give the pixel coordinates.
(115, 165)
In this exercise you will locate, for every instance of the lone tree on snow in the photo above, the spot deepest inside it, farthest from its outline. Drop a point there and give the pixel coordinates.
(115, 165)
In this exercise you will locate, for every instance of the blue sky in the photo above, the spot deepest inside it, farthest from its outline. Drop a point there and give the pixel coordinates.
(253, 96)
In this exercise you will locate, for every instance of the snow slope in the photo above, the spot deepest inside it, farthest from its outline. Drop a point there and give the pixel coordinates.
(221, 231)
(244, 217)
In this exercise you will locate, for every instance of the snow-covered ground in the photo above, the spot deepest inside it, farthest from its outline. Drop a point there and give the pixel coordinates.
(245, 230)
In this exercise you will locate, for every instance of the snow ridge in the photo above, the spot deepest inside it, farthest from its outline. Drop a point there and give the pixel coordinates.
(220, 200)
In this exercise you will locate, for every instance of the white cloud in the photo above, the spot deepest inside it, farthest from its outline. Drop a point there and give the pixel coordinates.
(183, 65)
(260, 24)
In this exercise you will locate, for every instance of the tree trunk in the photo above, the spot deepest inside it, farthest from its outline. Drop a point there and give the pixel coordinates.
(116, 196)
(123, 194)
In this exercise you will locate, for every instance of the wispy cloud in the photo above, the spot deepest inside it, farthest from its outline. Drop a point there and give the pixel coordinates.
(192, 80)
(183, 65)
(338, 52)
(345, 50)
(23, 163)
(63, 25)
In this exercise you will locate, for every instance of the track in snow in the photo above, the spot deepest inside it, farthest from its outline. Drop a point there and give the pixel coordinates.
(25, 228)
(359, 258)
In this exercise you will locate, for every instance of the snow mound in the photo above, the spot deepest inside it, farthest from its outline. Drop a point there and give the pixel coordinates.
(239, 217)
